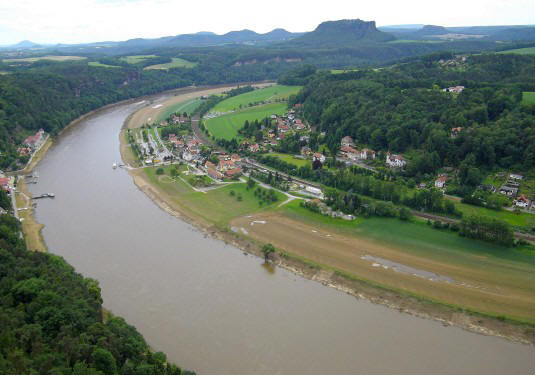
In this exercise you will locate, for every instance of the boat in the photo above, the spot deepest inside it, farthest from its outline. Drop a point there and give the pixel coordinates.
(114, 166)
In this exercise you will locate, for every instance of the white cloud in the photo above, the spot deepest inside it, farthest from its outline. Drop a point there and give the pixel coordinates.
(74, 21)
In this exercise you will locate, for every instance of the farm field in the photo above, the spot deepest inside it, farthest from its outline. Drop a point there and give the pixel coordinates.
(175, 63)
(52, 58)
(136, 58)
(188, 106)
(100, 65)
(291, 159)
(216, 206)
(528, 97)
(227, 126)
(483, 277)
(520, 51)
(271, 93)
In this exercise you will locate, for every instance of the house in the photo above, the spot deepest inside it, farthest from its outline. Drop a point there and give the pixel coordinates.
(225, 165)
(273, 117)
(282, 127)
(24, 151)
(2, 211)
(522, 201)
(209, 165)
(34, 141)
(234, 172)
(510, 191)
(367, 154)
(517, 177)
(254, 148)
(440, 182)
(172, 137)
(299, 124)
(314, 191)
(395, 161)
(236, 159)
(4, 183)
(454, 89)
(214, 174)
(318, 156)
(347, 141)
(349, 152)
(455, 132)
(305, 150)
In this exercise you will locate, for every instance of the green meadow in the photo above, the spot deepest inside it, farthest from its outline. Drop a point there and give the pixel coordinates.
(217, 206)
(100, 65)
(276, 92)
(528, 97)
(137, 58)
(188, 106)
(298, 162)
(520, 51)
(227, 126)
(175, 63)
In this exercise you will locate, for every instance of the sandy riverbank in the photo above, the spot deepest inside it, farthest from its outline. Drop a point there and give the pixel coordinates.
(357, 286)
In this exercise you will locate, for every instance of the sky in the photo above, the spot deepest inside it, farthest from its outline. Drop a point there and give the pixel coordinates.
(81, 21)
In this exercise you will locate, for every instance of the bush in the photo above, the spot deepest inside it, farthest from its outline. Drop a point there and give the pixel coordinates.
(159, 171)
(232, 193)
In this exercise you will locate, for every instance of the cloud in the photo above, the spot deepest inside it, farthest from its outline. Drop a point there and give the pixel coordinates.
(75, 21)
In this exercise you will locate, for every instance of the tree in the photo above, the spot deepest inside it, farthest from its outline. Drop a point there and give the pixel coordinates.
(104, 361)
(267, 250)
(159, 171)
(405, 214)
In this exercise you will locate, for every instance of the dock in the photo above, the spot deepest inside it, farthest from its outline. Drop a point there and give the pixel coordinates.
(45, 195)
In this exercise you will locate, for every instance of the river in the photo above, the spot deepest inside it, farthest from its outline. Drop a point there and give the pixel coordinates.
(214, 310)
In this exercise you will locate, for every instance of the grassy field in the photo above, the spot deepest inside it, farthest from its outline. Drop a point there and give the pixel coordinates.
(51, 57)
(291, 159)
(136, 58)
(528, 97)
(486, 277)
(175, 63)
(266, 94)
(100, 65)
(227, 126)
(216, 206)
(520, 51)
(520, 219)
(188, 106)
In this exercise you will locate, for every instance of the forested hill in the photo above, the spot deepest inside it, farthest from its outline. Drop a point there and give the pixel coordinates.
(404, 109)
(51, 320)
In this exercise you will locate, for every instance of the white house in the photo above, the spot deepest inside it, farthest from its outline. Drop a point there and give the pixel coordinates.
(367, 154)
(320, 157)
(395, 161)
(522, 201)
(440, 182)
(349, 152)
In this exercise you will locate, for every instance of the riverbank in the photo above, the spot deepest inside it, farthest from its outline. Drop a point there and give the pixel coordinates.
(417, 304)
(31, 229)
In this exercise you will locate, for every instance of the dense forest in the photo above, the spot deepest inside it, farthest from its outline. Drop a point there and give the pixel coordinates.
(51, 320)
(404, 109)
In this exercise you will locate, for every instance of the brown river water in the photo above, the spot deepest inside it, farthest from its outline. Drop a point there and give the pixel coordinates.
(214, 310)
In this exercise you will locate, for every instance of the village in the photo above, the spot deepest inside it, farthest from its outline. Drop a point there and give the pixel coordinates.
(173, 141)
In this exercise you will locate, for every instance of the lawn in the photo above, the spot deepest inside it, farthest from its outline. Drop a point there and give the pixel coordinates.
(528, 97)
(52, 58)
(227, 126)
(520, 51)
(520, 219)
(100, 65)
(291, 159)
(188, 106)
(270, 93)
(175, 63)
(136, 58)
(217, 206)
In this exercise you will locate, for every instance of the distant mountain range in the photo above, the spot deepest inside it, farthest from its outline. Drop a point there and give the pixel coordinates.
(342, 33)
